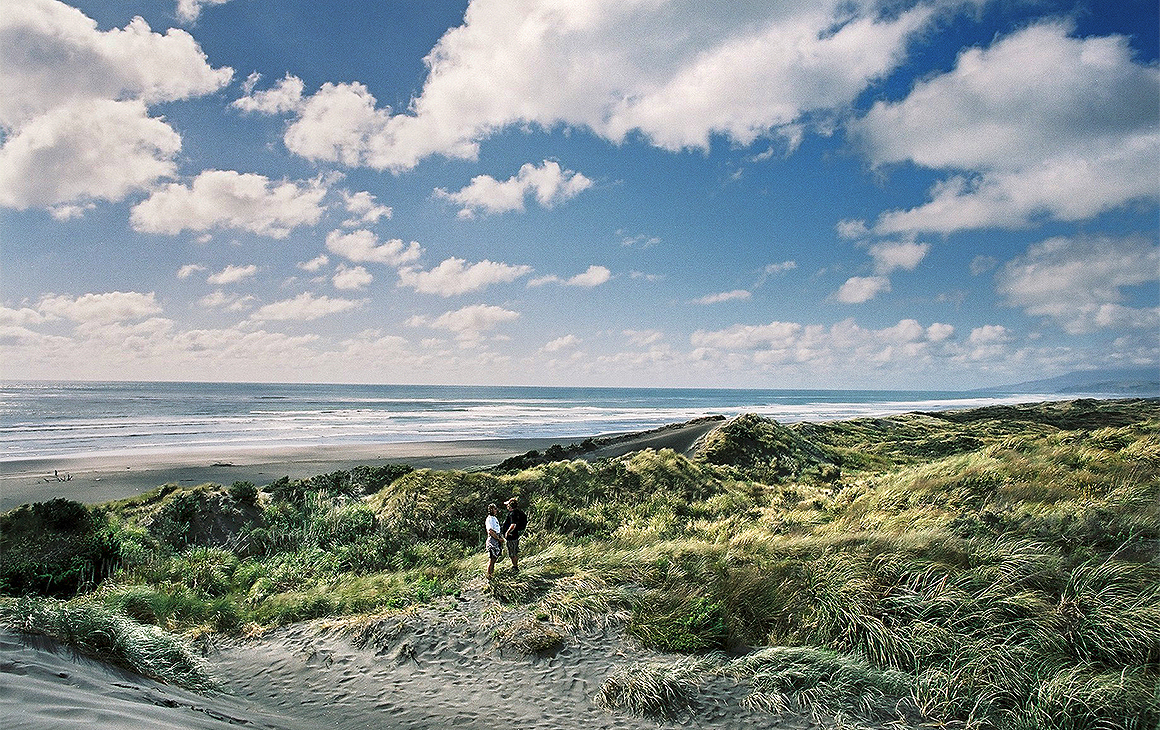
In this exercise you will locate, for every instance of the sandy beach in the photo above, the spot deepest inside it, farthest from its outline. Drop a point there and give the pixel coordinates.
(97, 479)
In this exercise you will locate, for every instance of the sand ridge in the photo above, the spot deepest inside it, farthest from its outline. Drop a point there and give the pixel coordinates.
(437, 666)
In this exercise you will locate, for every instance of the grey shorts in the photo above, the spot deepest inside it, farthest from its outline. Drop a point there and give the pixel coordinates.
(494, 548)
(513, 546)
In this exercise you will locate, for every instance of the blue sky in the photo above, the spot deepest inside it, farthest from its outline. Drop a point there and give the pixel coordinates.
(639, 192)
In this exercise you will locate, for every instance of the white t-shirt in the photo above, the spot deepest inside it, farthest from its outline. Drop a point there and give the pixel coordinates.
(491, 524)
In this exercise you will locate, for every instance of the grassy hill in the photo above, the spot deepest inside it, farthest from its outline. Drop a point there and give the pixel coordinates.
(991, 568)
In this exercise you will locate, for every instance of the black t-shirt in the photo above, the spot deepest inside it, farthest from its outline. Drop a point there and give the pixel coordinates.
(515, 517)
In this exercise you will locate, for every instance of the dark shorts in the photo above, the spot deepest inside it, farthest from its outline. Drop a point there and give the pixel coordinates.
(513, 546)
(494, 548)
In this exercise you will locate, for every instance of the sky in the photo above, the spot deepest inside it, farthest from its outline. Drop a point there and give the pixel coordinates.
(770, 194)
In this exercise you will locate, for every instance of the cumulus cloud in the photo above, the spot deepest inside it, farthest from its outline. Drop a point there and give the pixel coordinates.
(304, 308)
(1039, 124)
(74, 104)
(232, 302)
(591, 277)
(548, 183)
(229, 199)
(364, 209)
(284, 96)
(1079, 282)
(791, 343)
(859, 289)
(101, 308)
(91, 150)
(469, 323)
(362, 246)
(562, 343)
(190, 10)
(20, 317)
(232, 274)
(351, 278)
(315, 263)
(898, 255)
(726, 296)
(675, 73)
(189, 270)
(455, 276)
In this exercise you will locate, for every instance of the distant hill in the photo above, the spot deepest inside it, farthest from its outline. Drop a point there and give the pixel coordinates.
(1140, 381)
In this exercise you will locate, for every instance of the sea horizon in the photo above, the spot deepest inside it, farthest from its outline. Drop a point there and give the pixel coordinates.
(47, 419)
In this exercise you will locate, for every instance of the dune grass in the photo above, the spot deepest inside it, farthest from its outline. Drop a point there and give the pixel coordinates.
(990, 569)
(110, 636)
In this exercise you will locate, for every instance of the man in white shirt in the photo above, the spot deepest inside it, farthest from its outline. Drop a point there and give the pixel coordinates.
(494, 538)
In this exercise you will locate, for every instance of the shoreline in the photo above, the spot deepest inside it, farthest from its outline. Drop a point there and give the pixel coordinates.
(100, 478)
(96, 479)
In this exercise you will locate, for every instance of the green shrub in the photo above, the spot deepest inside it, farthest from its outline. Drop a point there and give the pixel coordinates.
(56, 548)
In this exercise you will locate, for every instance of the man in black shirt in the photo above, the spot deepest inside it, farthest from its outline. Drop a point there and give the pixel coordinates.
(513, 526)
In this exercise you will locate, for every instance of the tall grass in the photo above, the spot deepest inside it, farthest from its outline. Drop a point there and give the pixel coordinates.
(112, 637)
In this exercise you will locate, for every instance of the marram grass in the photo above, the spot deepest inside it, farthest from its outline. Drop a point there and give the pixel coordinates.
(112, 637)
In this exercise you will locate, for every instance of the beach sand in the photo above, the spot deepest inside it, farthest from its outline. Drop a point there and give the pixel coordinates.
(437, 667)
(104, 478)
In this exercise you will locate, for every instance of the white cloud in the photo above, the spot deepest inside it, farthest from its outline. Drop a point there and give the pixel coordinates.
(859, 289)
(362, 246)
(644, 338)
(284, 96)
(591, 277)
(852, 229)
(68, 212)
(989, 334)
(219, 298)
(366, 211)
(229, 199)
(939, 331)
(74, 104)
(189, 270)
(315, 263)
(455, 276)
(352, 278)
(232, 274)
(1079, 282)
(548, 183)
(640, 240)
(900, 255)
(91, 150)
(676, 73)
(748, 337)
(1041, 123)
(982, 264)
(727, 296)
(562, 343)
(20, 317)
(101, 308)
(190, 10)
(469, 323)
(780, 268)
(304, 308)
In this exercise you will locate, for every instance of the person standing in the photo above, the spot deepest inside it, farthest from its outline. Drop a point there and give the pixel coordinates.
(494, 538)
(513, 526)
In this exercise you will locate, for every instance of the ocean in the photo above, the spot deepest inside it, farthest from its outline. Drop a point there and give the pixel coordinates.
(56, 419)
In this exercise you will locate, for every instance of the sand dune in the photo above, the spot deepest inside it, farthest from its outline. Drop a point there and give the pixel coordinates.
(438, 667)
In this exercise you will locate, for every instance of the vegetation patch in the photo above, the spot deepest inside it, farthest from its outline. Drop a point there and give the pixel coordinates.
(984, 570)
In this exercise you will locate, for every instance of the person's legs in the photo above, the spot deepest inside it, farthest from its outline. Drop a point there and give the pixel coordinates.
(513, 547)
